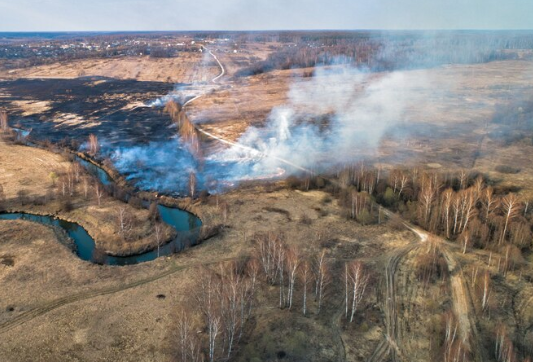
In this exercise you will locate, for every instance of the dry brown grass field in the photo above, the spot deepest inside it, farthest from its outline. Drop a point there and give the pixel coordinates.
(187, 68)
(55, 306)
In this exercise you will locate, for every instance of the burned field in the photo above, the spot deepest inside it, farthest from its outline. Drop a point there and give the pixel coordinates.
(347, 214)
(75, 108)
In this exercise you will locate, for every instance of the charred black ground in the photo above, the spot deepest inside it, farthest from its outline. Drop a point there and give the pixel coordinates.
(99, 101)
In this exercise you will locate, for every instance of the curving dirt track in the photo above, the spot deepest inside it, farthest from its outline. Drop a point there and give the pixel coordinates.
(463, 306)
(47, 307)
(392, 346)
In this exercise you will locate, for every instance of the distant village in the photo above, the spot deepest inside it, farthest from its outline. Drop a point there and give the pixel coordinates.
(34, 51)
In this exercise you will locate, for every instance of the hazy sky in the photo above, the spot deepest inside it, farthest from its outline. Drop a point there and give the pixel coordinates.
(55, 15)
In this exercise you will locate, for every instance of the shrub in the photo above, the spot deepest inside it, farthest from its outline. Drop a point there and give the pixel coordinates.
(365, 217)
(306, 220)
(326, 199)
(507, 169)
(135, 202)
(390, 198)
(293, 182)
(431, 266)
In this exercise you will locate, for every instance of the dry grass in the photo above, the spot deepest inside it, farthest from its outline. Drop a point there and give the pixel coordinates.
(186, 68)
(447, 121)
(28, 169)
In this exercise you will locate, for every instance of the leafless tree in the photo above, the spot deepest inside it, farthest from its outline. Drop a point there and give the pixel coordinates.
(280, 266)
(192, 184)
(359, 281)
(207, 300)
(189, 134)
(158, 235)
(428, 192)
(504, 348)
(446, 205)
(520, 234)
(224, 212)
(293, 262)
(230, 299)
(268, 254)
(99, 192)
(322, 278)
(77, 170)
(359, 202)
(486, 290)
(94, 147)
(404, 180)
(63, 185)
(4, 125)
(489, 201)
(214, 329)
(2, 195)
(479, 186)
(468, 207)
(252, 270)
(465, 240)
(456, 207)
(463, 179)
(70, 177)
(86, 186)
(510, 206)
(305, 277)
(455, 349)
(173, 109)
(125, 222)
(346, 290)
(394, 179)
(188, 344)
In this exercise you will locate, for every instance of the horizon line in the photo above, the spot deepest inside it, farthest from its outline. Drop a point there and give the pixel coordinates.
(261, 30)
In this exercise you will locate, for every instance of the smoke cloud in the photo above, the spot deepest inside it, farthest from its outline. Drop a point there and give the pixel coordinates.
(357, 109)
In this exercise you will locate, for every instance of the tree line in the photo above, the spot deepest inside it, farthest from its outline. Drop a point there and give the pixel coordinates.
(390, 51)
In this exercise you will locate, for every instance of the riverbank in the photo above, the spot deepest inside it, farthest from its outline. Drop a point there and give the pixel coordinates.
(31, 181)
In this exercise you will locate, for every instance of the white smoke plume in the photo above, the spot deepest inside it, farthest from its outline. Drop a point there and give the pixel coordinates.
(360, 107)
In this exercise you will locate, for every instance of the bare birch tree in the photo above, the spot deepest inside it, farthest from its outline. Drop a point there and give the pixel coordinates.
(305, 277)
(192, 184)
(188, 344)
(86, 186)
(4, 125)
(293, 262)
(207, 300)
(99, 192)
(94, 147)
(510, 206)
(359, 281)
(322, 278)
(158, 235)
(125, 222)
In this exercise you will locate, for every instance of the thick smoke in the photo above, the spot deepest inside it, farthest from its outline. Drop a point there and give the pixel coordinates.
(163, 166)
(356, 110)
(359, 107)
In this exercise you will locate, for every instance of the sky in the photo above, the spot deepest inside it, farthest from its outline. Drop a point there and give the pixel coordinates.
(137, 15)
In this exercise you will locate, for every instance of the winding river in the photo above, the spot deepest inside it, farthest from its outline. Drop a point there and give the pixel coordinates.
(186, 224)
